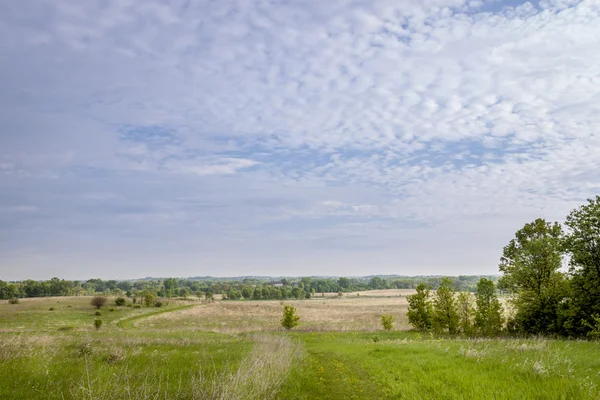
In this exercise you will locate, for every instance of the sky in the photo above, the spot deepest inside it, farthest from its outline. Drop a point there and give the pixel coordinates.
(289, 137)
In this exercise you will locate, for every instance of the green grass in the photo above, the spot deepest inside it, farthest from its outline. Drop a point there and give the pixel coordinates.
(59, 355)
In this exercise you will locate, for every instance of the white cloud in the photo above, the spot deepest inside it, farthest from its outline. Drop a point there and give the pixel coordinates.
(371, 121)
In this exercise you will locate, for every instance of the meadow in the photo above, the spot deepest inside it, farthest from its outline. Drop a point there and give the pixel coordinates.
(49, 349)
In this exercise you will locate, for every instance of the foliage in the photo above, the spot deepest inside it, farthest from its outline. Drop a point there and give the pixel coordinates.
(97, 323)
(97, 313)
(489, 315)
(583, 246)
(98, 301)
(531, 263)
(420, 309)
(445, 315)
(290, 318)
(158, 303)
(149, 299)
(120, 301)
(466, 311)
(594, 328)
(387, 321)
(13, 300)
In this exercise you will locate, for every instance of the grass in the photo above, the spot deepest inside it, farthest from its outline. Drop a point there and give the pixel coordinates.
(237, 350)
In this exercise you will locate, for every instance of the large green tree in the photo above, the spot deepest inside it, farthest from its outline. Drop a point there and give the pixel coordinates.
(583, 246)
(531, 265)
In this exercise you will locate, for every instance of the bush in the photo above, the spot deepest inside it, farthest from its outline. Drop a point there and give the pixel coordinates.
(97, 323)
(98, 301)
(158, 303)
(290, 318)
(420, 309)
(149, 299)
(98, 313)
(129, 305)
(66, 328)
(51, 309)
(120, 301)
(137, 306)
(111, 310)
(388, 322)
(375, 339)
(14, 300)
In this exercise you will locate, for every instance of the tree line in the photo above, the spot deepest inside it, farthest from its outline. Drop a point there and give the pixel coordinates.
(551, 274)
(247, 288)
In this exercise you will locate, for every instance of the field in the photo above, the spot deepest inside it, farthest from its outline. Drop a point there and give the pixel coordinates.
(237, 350)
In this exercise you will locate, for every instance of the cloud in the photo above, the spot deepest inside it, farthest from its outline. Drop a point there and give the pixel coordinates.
(294, 126)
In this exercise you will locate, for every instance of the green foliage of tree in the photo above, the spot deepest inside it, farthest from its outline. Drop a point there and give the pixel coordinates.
(120, 301)
(290, 318)
(531, 263)
(420, 309)
(466, 312)
(98, 301)
(445, 315)
(489, 317)
(387, 321)
(583, 246)
(149, 299)
(97, 323)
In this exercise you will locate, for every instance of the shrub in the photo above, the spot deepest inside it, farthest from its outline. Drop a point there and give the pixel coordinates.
(488, 317)
(158, 303)
(97, 323)
(445, 316)
(375, 339)
(129, 305)
(51, 309)
(120, 301)
(594, 332)
(66, 328)
(137, 306)
(388, 322)
(14, 300)
(149, 299)
(98, 301)
(290, 318)
(98, 313)
(111, 310)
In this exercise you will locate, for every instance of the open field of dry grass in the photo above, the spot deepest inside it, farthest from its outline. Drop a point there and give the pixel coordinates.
(350, 313)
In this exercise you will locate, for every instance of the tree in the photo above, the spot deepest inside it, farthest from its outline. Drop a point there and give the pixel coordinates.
(531, 263)
(388, 322)
(488, 317)
(582, 243)
(445, 316)
(149, 299)
(420, 310)
(290, 318)
(466, 311)
(98, 301)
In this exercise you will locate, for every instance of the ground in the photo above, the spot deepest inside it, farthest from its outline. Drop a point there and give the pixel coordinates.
(49, 349)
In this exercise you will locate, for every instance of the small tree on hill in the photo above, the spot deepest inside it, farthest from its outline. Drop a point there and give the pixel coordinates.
(388, 322)
(488, 317)
(420, 310)
(290, 318)
(98, 301)
(149, 299)
(445, 315)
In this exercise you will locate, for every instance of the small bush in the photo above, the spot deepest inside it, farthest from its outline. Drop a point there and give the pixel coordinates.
(51, 309)
(69, 306)
(85, 349)
(120, 301)
(158, 303)
(97, 323)
(137, 306)
(388, 322)
(111, 310)
(98, 313)
(375, 339)
(115, 355)
(290, 318)
(14, 300)
(129, 305)
(98, 301)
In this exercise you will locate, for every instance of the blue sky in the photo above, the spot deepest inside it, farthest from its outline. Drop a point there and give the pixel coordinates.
(247, 137)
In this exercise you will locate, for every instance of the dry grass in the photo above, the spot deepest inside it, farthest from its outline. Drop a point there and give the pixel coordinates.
(346, 314)
(259, 376)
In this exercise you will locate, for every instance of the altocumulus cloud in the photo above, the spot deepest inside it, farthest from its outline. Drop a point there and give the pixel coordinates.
(276, 137)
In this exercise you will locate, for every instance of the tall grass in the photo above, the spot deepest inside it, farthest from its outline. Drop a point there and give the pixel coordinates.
(259, 376)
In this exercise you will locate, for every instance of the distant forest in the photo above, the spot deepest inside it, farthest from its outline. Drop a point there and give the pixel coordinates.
(251, 288)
